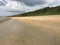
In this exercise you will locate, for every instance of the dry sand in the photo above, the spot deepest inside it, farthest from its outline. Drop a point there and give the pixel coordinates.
(38, 30)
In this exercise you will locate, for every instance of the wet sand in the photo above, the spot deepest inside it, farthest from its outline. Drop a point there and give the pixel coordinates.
(3, 19)
(38, 30)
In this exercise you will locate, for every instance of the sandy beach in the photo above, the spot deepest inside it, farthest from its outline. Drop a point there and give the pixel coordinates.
(37, 30)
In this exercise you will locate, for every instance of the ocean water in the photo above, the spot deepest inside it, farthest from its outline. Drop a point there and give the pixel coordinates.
(9, 13)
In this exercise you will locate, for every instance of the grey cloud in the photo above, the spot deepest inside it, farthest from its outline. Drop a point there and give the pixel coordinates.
(3, 2)
(32, 2)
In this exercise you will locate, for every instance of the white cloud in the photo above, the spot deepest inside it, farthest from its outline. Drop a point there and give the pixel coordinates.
(22, 7)
(13, 5)
(49, 1)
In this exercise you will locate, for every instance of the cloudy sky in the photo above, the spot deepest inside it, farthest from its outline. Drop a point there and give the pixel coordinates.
(11, 7)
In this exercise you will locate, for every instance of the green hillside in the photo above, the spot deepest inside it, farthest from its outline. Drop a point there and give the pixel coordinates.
(45, 11)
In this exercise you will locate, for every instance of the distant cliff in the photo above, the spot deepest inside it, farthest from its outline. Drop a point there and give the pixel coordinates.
(45, 11)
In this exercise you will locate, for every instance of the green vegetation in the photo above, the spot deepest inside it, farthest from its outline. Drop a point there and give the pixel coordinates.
(45, 11)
